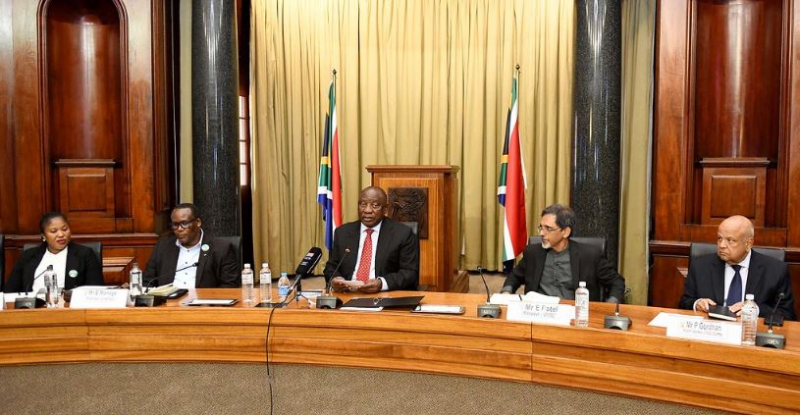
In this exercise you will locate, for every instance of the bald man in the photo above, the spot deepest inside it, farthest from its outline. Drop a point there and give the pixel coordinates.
(735, 270)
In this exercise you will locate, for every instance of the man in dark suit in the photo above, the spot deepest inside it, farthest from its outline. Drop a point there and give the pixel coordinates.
(393, 263)
(557, 265)
(737, 270)
(190, 258)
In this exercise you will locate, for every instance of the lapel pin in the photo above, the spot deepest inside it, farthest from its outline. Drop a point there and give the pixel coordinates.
(73, 273)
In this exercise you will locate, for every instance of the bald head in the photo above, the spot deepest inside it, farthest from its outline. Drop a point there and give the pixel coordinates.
(734, 239)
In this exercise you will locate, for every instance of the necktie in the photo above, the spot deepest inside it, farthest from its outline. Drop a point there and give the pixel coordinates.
(735, 290)
(366, 258)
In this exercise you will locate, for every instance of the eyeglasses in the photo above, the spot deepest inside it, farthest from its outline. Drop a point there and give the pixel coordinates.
(183, 225)
(365, 205)
(548, 229)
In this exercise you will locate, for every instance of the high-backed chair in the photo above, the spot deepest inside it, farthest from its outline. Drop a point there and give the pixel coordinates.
(97, 247)
(698, 249)
(2, 262)
(236, 241)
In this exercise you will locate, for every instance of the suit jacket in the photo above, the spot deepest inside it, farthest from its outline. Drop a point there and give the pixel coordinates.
(217, 267)
(586, 263)
(79, 258)
(396, 256)
(766, 279)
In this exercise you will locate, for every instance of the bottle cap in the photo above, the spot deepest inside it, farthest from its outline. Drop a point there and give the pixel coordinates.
(264, 265)
(749, 297)
(284, 274)
(582, 284)
(246, 266)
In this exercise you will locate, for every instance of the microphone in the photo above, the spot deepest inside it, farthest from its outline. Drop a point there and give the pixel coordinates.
(328, 301)
(770, 339)
(487, 310)
(154, 281)
(34, 301)
(306, 266)
(618, 322)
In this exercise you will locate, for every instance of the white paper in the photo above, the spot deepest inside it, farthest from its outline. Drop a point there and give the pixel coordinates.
(664, 319)
(706, 330)
(102, 297)
(504, 299)
(210, 301)
(361, 308)
(529, 312)
(532, 296)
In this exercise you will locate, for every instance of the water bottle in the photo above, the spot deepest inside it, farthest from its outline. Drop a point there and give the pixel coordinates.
(283, 287)
(248, 294)
(582, 305)
(265, 283)
(51, 284)
(749, 320)
(135, 283)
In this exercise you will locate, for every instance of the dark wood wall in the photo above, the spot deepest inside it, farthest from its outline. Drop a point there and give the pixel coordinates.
(727, 130)
(85, 92)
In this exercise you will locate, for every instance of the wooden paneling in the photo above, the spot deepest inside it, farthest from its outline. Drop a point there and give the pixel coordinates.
(641, 363)
(726, 81)
(438, 261)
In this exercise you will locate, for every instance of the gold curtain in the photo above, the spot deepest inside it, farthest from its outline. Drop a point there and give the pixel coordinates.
(419, 82)
(638, 34)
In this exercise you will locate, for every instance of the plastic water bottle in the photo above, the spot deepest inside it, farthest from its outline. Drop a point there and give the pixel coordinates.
(248, 294)
(283, 287)
(265, 283)
(51, 284)
(749, 320)
(582, 305)
(135, 282)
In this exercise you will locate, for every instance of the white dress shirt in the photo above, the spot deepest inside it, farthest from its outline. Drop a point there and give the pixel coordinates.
(363, 236)
(59, 263)
(187, 256)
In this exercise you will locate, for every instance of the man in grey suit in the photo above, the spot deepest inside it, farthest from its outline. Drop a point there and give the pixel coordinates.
(374, 253)
(191, 258)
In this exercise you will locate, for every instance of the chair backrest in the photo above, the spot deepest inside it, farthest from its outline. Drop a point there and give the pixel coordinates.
(598, 241)
(236, 241)
(698, 249)
(412, 225)
(97, 247)
(2, 262)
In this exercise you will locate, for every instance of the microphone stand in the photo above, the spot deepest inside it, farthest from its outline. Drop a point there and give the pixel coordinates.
(327, 301)
(770, 339)
(487, 310)
(29, 302)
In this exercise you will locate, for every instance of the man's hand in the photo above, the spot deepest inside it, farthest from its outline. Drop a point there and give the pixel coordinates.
(736, 308)
(704, 304)
(373, 286)
(337, 284)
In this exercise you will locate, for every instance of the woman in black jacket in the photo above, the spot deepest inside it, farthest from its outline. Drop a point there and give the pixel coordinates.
(74, 264)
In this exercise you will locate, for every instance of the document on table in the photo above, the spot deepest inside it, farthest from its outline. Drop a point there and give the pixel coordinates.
(361, 308)
(532, 297)
(663, 319)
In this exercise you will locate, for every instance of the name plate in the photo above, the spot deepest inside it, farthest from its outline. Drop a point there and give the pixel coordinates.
(99, 298)
(554, 314)
(706, 330)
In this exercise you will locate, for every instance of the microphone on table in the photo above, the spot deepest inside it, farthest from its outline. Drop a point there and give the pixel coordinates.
(307, 265)
(618, 322)
(770, 339)
(28, 302)
(328, 301)
(152, 300)
(487, 310)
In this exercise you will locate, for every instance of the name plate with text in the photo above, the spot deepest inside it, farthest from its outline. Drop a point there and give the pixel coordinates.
(554, 314)
(99, 298)
(706, 330)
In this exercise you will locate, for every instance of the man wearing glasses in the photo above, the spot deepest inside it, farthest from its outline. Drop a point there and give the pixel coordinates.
(374, 253)
(557, 265)
(190, 258)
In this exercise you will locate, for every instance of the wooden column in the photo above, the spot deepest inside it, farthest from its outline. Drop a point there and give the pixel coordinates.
(426, 195)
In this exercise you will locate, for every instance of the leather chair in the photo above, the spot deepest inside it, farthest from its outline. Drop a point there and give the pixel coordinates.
(236, 241)
(597, 241)
(2, 262)
(97, 247)
(698, 249)
(412, 225)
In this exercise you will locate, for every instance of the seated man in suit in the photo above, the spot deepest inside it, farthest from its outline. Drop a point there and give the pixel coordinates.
(557, 265)
(387, 252)
(735, 270)
(191, 258)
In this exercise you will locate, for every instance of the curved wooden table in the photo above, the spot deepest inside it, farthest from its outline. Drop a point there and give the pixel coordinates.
(641, 363)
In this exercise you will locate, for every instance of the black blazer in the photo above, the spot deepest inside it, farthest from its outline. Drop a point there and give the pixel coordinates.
(217, 266)
(766, 279)
(396, 256)
(586, 262)
(79, 258)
